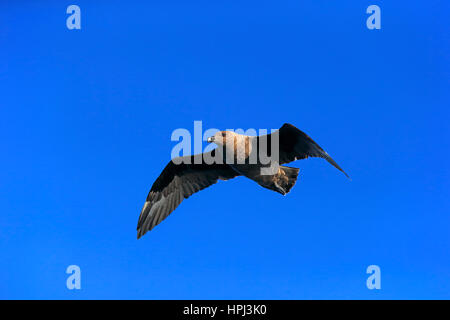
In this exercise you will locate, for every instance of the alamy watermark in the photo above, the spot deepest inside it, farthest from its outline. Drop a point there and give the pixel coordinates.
(232, 146)
(374, 280)
(374, 20)
(74, 20)
(74, 280)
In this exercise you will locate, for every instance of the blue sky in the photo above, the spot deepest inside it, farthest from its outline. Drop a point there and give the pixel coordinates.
(85, 123)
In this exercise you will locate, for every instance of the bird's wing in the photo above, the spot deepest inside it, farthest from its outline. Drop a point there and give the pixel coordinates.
(296, 145)
(176, 183)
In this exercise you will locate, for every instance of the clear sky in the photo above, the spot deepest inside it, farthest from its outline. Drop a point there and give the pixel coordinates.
(86, 118)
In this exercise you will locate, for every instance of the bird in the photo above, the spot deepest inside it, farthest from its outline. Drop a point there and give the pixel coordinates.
(236, 155)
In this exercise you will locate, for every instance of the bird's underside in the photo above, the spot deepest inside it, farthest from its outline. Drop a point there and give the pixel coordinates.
(193, 173)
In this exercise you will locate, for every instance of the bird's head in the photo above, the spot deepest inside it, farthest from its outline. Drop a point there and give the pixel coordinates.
(221, 137)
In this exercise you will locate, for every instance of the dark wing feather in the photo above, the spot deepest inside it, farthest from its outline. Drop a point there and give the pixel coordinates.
(176, 183)
(297, 145)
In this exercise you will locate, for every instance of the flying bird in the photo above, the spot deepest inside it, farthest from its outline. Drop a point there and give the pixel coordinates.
(236, 155)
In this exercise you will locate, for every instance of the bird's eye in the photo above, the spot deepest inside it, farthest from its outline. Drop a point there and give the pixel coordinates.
(224, 134)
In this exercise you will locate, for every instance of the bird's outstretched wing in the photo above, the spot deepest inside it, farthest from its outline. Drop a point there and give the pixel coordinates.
(296, 145)
(176, 183)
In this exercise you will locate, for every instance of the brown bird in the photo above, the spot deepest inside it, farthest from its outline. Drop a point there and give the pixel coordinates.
(258, 158)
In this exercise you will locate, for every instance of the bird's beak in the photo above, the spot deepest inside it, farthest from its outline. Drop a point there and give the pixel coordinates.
(210, 139)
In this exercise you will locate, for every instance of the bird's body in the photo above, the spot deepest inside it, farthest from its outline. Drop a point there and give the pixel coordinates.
(257, 158)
